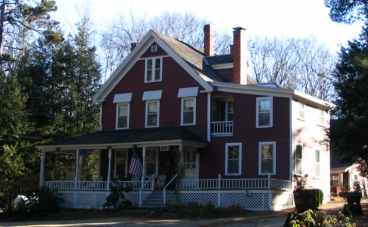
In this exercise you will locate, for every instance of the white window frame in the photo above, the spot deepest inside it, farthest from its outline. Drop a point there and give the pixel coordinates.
(153, 69)
(301, 161)
(182, 123)
(146, 114)
(117, 115)
(227, 145)
(273, 143)
(258, 100)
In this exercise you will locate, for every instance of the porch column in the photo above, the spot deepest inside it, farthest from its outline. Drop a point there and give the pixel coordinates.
(209, 117)
(143, 163)
(181, 157)
(76, 175)
(42, 169)
(109, 169)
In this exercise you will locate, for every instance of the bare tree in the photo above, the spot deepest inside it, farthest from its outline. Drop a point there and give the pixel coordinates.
(302, 64)
(117, 39)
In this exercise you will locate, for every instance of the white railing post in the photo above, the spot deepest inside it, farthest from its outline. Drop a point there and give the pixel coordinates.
(42, 169)
(109, 169)
(218, 190)
(269, 181)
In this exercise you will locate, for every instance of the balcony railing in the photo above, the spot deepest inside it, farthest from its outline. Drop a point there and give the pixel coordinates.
(222, 128)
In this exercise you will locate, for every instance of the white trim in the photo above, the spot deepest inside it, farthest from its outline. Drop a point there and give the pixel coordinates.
(134, 56)
(146, 114)
(153, 68)
(182, 111)
(122, 97)
(117, 115)
(240, 161)
(188, 92)
(223, 66)
(269, 91)
(273, 157)
(258, 100)
(209, 117)
(152, 95)
(161, 56)
(100, 126)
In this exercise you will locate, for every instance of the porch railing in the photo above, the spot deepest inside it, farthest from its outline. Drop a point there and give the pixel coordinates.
(205, 184)
(222, 128)
(63, 186)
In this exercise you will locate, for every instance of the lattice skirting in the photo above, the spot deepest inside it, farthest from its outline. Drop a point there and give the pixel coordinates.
(257, 200)
(250, 200)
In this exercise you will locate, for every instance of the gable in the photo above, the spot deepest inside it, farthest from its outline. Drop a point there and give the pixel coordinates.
(141, 49)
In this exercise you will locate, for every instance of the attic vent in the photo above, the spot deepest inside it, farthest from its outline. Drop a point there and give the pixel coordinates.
(154, 48)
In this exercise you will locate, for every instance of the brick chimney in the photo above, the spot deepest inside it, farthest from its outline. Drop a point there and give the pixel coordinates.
(207, 40)
(239, 54)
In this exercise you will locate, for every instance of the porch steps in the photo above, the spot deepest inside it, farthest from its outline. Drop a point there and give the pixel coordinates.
(155, 199)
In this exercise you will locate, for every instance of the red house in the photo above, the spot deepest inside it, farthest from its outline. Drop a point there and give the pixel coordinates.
(176, 120)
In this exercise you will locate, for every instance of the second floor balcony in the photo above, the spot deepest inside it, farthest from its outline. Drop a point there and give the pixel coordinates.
(222, 123)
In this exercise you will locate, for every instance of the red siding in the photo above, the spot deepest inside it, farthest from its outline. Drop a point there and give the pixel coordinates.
(173, 78)
(213, 160)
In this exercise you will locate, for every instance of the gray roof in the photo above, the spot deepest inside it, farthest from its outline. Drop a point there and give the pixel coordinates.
(195, 58)
(130, 136)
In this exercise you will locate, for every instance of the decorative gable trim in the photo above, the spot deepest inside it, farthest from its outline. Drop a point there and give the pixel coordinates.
(135, 55)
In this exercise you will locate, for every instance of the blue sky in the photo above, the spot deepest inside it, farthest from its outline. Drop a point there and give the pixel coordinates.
(281, 18)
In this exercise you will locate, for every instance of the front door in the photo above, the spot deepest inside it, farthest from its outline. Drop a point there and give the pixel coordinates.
(191, 164)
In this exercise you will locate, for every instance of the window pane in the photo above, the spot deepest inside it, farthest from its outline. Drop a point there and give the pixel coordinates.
(264, 119)
(149, 64)
(90, 161)
(233, 166)
(152, 107)
(233, 152)
(264, 106)
(158, 69)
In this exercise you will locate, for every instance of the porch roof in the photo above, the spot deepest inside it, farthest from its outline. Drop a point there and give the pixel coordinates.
(128, 137)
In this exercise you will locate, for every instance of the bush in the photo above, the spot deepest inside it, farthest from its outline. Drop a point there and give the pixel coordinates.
(116, 199)
(306, 199)
(38, 203)
(317, 219)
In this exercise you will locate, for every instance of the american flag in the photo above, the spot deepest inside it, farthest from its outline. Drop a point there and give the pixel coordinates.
(135, 168)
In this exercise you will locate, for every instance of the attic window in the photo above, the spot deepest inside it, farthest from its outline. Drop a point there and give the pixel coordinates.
(153, 70)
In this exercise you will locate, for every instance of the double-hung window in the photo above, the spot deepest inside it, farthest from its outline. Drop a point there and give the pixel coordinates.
(153, 70)
(264, 112)
(233, 159)
(122, 102)
(298, 156)
(122, 112)
(152, 110)
(188, 105)
(267, 158)
(152, 113)
(188, 111)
